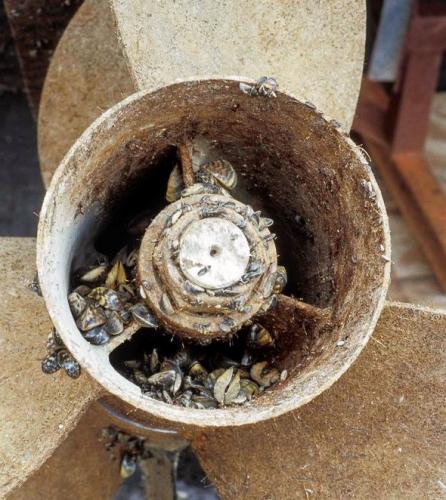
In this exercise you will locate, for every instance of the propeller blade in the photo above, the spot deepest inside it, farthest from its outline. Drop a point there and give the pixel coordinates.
(87, 75)
(88, 72)
(164, 43)
(377, 433)
(37, 411)
(80, 468)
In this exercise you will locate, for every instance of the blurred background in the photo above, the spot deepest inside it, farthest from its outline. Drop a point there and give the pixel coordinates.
(400, 122)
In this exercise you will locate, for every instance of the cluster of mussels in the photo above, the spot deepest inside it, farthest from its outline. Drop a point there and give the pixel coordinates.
(219, 174)
(204, 377)
(105, 299)
(58, 357)
(131, 449)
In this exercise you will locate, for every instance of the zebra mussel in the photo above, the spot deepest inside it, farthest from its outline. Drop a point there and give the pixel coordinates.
(265, 86)
(107, 297)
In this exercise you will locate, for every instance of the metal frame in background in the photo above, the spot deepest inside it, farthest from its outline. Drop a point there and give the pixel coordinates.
(393, 127)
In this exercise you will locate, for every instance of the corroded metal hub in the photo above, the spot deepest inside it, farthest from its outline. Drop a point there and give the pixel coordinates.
(207, 264)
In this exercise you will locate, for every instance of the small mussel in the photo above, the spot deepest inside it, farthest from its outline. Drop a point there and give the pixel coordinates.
(174, 218)
(114, 324)
(163, 379)
(269, 285)
(77, 304)
(175, 185)
(95, 274)
(222, 171)
(34, 285)
(263, 375)
(50, 364)
(227, 325)
(213, 376)
(253, 271)
(106, 298)
(128, 466)
(265, 222)
(72, 368)
(197, 370)
(153, 361)
(116, 276)
(68, 364)
(98, 335)
(203, 402)
(280, 279)
(259, 337)
(227, 386)
(143, 316)
(249, 388)
(92, 317)
(166, 304)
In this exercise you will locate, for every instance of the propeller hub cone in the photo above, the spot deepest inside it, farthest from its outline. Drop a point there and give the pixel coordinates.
(207, 264)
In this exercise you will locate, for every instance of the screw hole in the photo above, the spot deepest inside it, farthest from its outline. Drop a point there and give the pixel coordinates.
(214, 251)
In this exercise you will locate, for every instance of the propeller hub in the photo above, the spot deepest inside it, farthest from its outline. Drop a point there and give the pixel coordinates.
(214, 253)
(207, 265)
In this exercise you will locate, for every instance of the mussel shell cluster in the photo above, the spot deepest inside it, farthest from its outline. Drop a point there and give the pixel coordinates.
(106, 299)
(58, 357)
(219, 173)
(128, 448)
(203, 377)
(108, 295)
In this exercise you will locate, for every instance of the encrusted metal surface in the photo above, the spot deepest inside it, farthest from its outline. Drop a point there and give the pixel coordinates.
(88, 73)
(332, 223)
(207, 265)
